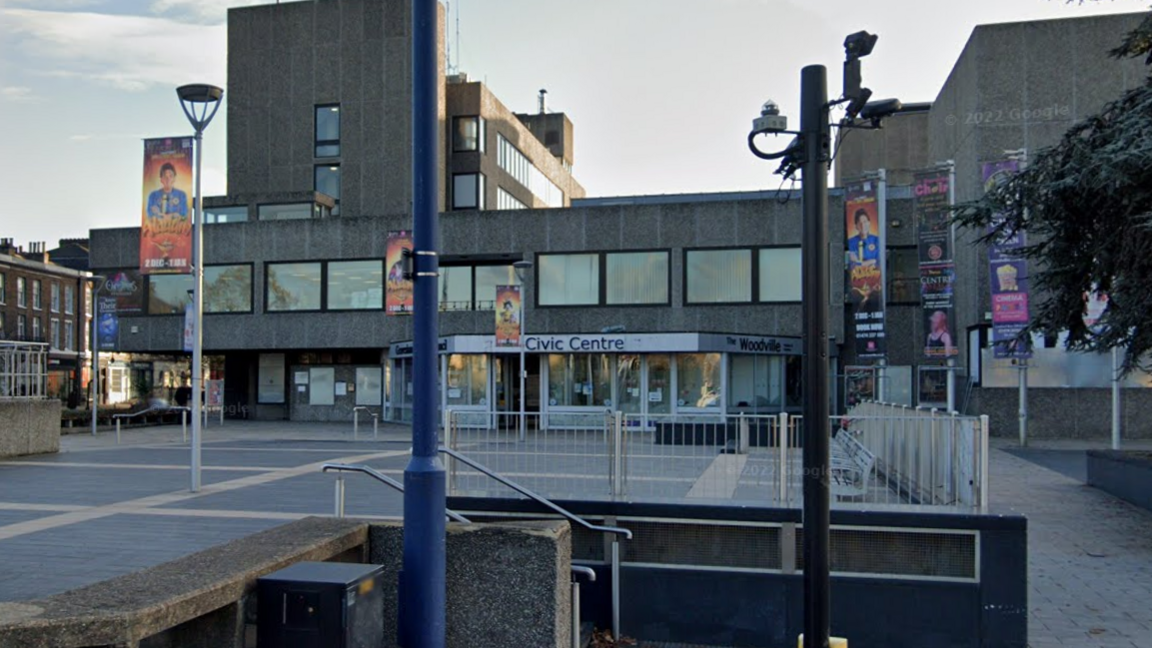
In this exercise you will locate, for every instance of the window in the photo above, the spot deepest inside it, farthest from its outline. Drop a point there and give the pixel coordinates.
(271, 371)
(322, 386)
(903, 275)
(36, 290)
(718, 276)
(327, 181)
(505, 200)
(356, 285)
(369, 386)
(698, 380)
(659, 392)
(468, 134)
(69, 301)
(523, 171)
(3, 288)
(293, 286)
(218, 215)
(227, 289)
(55, 330)
(468, 191)
(467, 380)
(487, 278)
(21, 326)
(780, 274)
(636, 278)
(292, 211)
(455, 288)
(755, 382)
(3, 327)
(54, 299)
(36, 329)
(328, 131)
(21, 292)
(69, 335)
(579, 380)
(568, 279)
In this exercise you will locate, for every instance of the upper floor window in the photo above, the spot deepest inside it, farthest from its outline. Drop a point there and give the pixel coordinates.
(568, 279)
(69, 301)
(292, 211)
(636, 278)
(468, 134)
(36, 335)
(468, 191)
(293, 286)
(903, 264)
(55, 328)
(505, 200)
(521, 168)
(36, 294)
(69, 333)
(327, 131)
(356, 285)
(216, 215)
(718, 276)
(327, 181)
(21, 292)
(55, 298)
(227, 289)
(780, 271)
(473, 287)
(3, 288)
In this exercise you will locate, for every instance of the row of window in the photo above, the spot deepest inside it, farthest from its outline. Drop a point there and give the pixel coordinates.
(60, 338)
(69, 301)
(509, 158)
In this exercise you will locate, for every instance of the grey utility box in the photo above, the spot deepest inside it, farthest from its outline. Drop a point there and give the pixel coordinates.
(321, 605)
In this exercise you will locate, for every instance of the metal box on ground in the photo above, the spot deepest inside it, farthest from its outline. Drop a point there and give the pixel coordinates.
(321, 605)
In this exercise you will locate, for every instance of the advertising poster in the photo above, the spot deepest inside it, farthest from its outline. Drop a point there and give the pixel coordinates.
(107, 324)
(127, 288)
(931, 205)
(507, 316)
(1008, 277)
(933, 386)
(214, 393)
(865, 238)
(859, 385)
(399, 290)
(166, 221)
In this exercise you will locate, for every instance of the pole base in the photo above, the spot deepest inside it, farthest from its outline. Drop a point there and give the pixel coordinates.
(833, 642)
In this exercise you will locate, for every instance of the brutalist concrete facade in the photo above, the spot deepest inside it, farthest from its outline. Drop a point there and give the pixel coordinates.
(286, 59)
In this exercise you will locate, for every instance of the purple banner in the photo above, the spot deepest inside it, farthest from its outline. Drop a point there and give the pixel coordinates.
(865, 243)
(1008, 277)
(932, 201)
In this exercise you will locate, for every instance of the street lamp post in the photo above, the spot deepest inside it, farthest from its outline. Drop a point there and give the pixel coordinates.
(197, 100)
(94, 347)
(522, 267)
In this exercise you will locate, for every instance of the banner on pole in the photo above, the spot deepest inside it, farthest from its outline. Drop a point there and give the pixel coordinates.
(399, 299)
(508, 316)
(865, 238)
(166, 219)
(189, 328)
(931, 205)
(127, 288)
(1008, 277)
(107, 325)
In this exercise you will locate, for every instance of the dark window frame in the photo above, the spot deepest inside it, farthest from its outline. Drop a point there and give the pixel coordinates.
(754, 252)
(481, 134)
(146, 293)
(915, 279)
(756, 276)
(339, 183)
(602, 279)
(481, 188)
(324, 288)
(317, 143)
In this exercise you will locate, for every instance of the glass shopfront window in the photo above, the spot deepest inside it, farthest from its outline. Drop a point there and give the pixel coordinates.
(322, 386)
(369, 390)
(659, 393)
(400, 393)
(755, 383)
(698, 380)
(467, 380)
(293, 286)
(629, 387)
(580, 380)
(356, 285)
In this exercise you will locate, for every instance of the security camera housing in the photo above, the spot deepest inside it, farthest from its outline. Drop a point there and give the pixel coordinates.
(877, 110)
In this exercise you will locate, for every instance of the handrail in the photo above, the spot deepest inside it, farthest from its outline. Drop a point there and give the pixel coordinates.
(385, 479)
(584, 571)
(572, 517)
(149, 411)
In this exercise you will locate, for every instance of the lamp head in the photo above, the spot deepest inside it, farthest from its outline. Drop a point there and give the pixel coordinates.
(196, 99)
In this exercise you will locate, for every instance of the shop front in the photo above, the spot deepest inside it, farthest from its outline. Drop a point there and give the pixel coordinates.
(573, 379)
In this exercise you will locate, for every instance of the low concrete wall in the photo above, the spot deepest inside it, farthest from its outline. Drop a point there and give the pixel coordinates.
(29, 427)
(1064, 413)
(1125, 475)
(508, 583)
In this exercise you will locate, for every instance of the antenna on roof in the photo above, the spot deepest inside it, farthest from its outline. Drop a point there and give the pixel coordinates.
(457, 36)
(543, 102)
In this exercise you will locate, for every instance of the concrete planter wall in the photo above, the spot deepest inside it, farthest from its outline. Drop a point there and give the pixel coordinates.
(1126, 475)
(29, 427)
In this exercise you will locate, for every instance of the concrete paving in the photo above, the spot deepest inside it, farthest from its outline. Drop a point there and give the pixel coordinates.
(98, 510)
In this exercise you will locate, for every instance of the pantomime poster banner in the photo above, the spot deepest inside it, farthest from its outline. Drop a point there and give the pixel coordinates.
(932, 208)
(166, 221)
(399, 299)
(507, 316)
(865, 234)
(1008, 277)
(107, 324)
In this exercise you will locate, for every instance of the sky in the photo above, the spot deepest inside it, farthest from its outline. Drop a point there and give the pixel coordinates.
(661, 92)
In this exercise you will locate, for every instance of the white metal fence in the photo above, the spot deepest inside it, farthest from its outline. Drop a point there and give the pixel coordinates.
(23, 369)
(879, 456)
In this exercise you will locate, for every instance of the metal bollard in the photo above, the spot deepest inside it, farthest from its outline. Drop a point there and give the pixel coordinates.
(184, 424)
(375, 427)
(117, 430)
(356, 424)
(618, 454)
(575, 613)
(339, 496)
(615, 587)
(782, 452)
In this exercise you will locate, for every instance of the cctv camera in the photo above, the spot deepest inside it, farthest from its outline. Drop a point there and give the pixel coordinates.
(877, 110)
(859, 45)
(770, 119)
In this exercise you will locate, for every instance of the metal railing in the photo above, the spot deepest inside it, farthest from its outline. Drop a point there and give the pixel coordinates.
(184, 413)
(888, 456)
(378, 476)
(23, 370)
(356, 422)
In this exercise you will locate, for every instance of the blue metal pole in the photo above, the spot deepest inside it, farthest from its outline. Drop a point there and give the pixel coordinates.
(422, 585)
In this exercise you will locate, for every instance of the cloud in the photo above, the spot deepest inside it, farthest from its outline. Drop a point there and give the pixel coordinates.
(208, 12)
(18, 94)
(126, 52)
